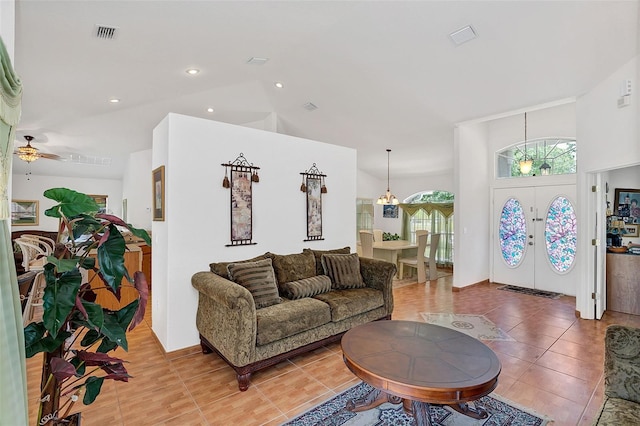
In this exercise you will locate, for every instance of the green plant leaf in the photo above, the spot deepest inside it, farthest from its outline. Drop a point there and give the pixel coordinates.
(140, 233)
(88, 263)
(36, 340)
(90, 338)
(111, 258)
(116, 323)
(84, 224)
(93, 320)
(63, 265)
(106, 345)
(93, 384)
(79, 365)
(59, 297)
(71, 203)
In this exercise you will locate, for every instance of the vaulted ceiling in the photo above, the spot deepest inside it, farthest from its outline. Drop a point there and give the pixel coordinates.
(382, 74)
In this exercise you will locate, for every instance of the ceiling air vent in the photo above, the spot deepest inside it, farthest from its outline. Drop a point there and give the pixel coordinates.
(309, 106)
(105, 33)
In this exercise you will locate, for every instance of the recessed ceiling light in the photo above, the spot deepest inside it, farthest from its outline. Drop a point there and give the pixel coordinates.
(192, 71)
(278, 85)
(257, 61)
(114, 100)
(209, 109)
(309, 106)
(463, 35)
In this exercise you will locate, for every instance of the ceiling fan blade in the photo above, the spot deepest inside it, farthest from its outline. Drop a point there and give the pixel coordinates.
(49, 156)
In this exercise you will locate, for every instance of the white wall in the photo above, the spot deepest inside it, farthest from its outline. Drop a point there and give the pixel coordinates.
(607, 139)
(136, 189)
(472, 159)
(33, 189)
(197, 224)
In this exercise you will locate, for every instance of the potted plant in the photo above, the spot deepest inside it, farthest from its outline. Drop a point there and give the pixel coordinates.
(76, 334)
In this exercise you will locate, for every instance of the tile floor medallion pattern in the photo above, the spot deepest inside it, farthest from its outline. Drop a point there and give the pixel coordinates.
(531, 291)
(477, 326)
(333, 412)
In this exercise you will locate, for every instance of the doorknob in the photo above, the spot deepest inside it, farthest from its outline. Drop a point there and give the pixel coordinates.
(530, 243)
(530, 236)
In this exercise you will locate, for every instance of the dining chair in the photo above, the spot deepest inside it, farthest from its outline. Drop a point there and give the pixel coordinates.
(417, 262)
(431, 260)
(366, 243)
(377, 235)
(34, 256)
(47, 244)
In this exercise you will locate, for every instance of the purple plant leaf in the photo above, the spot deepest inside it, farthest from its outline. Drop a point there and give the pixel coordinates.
(140, 282)
(62, 369)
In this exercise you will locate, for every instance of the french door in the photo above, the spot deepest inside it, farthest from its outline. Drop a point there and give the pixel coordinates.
(534, 237)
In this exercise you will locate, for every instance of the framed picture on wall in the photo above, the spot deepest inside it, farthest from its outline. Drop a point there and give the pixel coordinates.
(632, 230)
(390, 210)
(158, 194)
(627, 204)
(24, 212)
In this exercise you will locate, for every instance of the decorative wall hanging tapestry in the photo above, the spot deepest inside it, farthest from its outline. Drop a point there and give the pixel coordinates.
(313, 185)
(243, 174)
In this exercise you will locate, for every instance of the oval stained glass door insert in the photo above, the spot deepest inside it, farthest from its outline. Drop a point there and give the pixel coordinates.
(561, 234)
(513, 232)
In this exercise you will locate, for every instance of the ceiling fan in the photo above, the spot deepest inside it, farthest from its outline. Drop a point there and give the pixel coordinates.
(30, 154)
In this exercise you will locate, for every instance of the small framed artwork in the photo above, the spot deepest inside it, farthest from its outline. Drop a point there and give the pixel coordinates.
(314, 208)
(24, 212)
(124, 209)
(627, 204)
(390, 210)
(632, 230)
(158, 194)
(101, 201)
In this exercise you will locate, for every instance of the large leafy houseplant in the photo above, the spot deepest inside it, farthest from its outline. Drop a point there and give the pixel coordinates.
(76, 334)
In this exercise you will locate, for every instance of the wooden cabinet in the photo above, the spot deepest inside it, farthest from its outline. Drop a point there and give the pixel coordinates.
(623, 283)
(146, 262)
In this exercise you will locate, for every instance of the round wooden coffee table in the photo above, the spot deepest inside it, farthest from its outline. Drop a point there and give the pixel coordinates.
(420, 364)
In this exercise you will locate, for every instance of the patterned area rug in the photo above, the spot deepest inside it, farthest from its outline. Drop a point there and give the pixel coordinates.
(531, 291)
(333, 413)
(477, 326)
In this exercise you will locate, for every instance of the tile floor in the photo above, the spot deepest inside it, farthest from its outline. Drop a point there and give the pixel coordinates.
(554, 367)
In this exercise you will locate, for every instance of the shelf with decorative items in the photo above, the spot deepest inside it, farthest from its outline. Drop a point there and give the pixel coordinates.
(242, 176)
(313, 184)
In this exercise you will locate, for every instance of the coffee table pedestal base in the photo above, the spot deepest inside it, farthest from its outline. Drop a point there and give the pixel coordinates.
(418, 409)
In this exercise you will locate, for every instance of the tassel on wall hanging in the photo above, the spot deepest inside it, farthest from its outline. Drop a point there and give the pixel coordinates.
(314, 186)
(243, 174)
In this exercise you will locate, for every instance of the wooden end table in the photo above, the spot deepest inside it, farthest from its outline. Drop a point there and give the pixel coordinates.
(420, 364)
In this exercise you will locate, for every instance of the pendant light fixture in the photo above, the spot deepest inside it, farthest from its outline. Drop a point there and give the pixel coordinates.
(388, 197)
(525, 164)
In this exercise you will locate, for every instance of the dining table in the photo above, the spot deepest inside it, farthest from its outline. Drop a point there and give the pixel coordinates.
(392, 250)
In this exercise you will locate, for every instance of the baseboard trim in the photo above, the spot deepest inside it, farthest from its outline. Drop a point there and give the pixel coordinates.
(178, 353)
(457, 289)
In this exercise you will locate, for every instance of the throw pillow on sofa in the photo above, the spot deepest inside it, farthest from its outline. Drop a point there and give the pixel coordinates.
(344, 270)
(306, 287)
(259, 278)
(293, 267)
(318, 255)
(220, 268)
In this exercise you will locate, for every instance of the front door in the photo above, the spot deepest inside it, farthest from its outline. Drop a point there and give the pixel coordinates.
(535, 238)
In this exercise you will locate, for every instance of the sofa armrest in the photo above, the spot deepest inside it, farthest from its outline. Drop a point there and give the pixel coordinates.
(379, 274)
(226, 317)
(622, 362)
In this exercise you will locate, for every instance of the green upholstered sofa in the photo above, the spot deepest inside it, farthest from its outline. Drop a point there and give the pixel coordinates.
(621, 377)
(250, 338)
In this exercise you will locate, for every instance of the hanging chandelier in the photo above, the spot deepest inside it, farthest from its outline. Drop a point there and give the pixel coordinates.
(388, 197)
(28, 153)
(525, 163)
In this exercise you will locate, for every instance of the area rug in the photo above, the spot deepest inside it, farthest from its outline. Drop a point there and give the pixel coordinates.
(531, 291)
(333, 413)
(477, 326)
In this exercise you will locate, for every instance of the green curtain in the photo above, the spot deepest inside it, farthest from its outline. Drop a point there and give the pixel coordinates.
(13, 377)
(445, 208)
